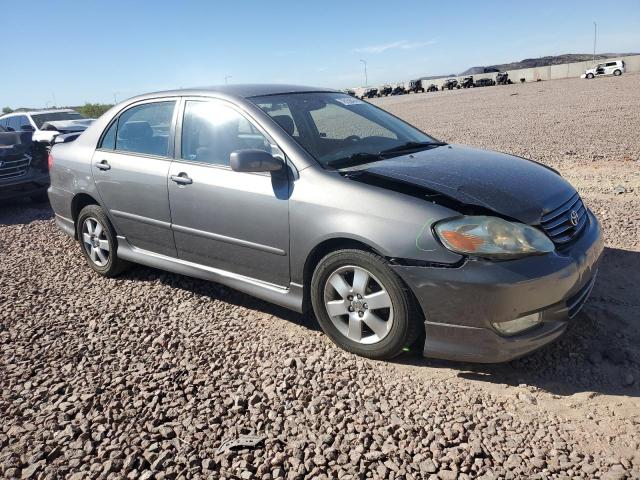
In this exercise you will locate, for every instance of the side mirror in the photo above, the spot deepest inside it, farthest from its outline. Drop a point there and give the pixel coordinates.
(27, 128)
(254, 160)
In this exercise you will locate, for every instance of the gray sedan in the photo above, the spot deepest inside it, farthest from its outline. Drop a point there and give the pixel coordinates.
(318, 201)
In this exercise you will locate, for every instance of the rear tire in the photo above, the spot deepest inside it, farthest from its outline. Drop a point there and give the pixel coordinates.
(362, 305)
(617, 73)
(99, 242)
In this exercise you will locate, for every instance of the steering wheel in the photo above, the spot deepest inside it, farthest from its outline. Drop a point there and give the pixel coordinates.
(352, 138)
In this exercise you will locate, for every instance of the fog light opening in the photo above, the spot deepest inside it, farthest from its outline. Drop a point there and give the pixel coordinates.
(518, 325)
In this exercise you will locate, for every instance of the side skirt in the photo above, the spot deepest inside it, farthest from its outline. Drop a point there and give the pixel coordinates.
(290, 298)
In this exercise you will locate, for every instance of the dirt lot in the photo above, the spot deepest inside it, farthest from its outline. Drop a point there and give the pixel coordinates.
(145, 376)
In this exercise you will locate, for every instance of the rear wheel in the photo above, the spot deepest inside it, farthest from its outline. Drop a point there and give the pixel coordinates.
(98, 240)
(617, 73)
(362, 305)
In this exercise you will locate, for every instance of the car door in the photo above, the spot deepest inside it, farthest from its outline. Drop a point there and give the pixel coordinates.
(130, 170)
(235, 221)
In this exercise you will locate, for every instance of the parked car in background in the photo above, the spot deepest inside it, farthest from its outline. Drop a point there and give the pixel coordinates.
(45, 124)
(415, 86)
(318, 201)
(385, 90)
(23, 166)
(369, 92)
(615, 67)
(502, 78)
(450, 84)
(398, 90)
(485, 82)
(432, 88)
(350, 92)
(467, 82)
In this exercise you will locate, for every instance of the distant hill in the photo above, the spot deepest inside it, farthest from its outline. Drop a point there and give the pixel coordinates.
(542, 62)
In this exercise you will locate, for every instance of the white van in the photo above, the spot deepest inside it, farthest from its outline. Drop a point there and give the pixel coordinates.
(615, 67)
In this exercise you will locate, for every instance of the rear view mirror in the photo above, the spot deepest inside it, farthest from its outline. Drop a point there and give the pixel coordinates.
(254, 160)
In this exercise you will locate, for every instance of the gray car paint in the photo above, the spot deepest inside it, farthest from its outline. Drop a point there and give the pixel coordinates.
(326, 206)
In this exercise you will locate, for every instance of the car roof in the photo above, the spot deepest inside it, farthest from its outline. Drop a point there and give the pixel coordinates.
(36, 112)
(240, 90)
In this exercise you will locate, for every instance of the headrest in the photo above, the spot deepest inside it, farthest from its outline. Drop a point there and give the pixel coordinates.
(136, 130)
(286, 122)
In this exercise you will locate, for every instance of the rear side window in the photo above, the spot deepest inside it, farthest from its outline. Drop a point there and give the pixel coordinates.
(144, 129)
(109, 139)
(211, 131)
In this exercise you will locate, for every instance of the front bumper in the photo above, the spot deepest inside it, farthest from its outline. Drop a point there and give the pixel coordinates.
(33, 182)
(461, 303)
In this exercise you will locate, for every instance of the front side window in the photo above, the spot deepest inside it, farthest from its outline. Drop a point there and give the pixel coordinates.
(340, 131)
(212, 130)
(14, 123)
(145, 129)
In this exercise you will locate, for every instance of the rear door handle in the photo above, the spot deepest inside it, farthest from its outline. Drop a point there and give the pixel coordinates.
(182, 179)
(103, 165)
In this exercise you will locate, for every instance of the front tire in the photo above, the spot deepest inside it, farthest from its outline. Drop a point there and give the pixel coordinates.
(589, 75)
(98, 241)
(362, 305)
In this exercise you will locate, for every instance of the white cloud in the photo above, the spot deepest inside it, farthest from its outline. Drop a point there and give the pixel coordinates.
(401, 44)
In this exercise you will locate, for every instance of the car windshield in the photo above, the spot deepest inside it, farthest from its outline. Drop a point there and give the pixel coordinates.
(341, 131)
(42, 118)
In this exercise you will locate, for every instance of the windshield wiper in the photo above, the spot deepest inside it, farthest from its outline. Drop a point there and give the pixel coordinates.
(405, 147)
(359, 158)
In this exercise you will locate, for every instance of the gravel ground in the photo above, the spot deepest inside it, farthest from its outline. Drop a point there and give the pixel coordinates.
(145, 376)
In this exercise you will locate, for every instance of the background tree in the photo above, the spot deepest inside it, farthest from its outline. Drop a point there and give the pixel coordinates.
(93, 110)
(7, 110)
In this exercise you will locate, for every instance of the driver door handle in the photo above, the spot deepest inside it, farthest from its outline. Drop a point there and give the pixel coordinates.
(103, 165)
(181, 179)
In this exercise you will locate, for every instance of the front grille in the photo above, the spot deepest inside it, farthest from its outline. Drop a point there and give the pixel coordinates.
(15, 167)
(575, 303)
(564, 223)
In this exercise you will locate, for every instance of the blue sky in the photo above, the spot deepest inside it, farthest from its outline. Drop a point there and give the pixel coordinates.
(88, 51)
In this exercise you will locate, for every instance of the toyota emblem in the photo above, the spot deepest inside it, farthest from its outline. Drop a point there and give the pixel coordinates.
(574, 218)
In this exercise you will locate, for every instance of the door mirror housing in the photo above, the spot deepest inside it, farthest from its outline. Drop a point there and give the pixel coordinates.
(27, 128)
(254, 160)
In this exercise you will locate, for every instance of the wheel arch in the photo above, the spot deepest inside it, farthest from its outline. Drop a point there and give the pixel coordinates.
(80, 201)
(318, 252)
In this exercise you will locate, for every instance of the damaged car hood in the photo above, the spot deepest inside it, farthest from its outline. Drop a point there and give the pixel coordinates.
(505, 184)
(68, 125)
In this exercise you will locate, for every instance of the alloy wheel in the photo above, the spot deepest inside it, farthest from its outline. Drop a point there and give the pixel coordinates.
(95, 242)
(358, 305)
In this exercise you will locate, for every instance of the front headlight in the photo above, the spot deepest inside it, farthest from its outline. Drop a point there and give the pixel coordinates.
(492, 237)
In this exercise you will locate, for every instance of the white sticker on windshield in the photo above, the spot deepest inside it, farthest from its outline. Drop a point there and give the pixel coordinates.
(349, 101)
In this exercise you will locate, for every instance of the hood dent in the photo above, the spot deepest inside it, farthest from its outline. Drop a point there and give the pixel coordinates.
(472, 180)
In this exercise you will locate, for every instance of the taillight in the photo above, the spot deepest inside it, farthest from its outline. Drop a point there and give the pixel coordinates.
(50, 161)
